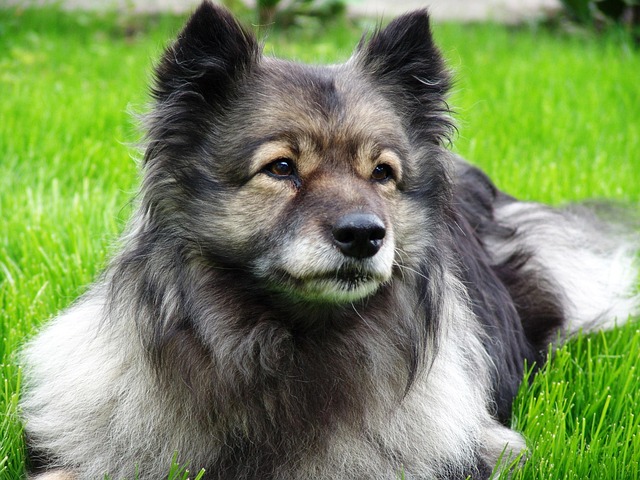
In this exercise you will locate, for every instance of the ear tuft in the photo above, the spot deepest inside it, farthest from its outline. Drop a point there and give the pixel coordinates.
(211, 53)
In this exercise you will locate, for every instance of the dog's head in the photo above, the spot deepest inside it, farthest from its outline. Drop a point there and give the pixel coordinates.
(322, 182)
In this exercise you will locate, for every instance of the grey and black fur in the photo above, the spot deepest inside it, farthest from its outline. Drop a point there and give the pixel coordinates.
(312, 285)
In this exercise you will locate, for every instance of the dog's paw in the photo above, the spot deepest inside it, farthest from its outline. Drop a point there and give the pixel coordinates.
(501, 446)
(55, 475)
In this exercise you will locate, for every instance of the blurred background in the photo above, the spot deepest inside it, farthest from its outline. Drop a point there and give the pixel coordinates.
(510, 11)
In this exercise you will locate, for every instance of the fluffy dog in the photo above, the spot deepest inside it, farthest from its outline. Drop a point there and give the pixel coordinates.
(312, 285)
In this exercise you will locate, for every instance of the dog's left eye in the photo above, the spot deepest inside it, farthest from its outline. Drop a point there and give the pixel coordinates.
(381, 173)
(282, 167)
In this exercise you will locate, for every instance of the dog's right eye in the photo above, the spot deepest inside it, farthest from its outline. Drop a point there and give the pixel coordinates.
(281, 168)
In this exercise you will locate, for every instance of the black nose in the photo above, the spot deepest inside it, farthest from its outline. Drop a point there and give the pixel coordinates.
(359, 235)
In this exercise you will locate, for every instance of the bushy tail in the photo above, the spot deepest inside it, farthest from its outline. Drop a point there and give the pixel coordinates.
(592, 263)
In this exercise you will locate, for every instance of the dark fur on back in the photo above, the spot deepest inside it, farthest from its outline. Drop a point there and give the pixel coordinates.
(517, 312)
(239, 327)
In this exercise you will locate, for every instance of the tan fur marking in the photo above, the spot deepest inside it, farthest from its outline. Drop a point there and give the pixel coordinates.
(268, 153)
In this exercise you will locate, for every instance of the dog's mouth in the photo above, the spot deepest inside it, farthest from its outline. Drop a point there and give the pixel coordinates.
(349, 278)
(314, 271)
(346, 284)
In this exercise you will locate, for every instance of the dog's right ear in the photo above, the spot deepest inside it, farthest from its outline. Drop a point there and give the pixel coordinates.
(211, 53)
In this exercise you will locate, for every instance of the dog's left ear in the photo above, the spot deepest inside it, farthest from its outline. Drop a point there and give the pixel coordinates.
(403, 59)
(404, 53)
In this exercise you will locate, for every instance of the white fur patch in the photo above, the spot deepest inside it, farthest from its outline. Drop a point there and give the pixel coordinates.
(596, 273)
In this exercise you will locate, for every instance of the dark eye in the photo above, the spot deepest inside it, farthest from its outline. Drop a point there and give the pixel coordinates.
(381, 173)
(282, 167)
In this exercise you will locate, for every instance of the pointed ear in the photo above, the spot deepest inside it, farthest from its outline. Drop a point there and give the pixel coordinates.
(211, 53)
(404, 62)
(404, 53)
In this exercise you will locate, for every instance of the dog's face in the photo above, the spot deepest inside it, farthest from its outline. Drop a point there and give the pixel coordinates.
(322, 182)
(315, 212)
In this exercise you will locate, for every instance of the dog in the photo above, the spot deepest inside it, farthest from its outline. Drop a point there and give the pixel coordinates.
(312, 285)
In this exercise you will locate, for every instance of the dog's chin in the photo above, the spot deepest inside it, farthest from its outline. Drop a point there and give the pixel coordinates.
(333, 288)
(337, 290)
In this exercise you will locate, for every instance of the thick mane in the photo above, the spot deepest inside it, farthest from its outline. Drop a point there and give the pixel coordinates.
(299, 373)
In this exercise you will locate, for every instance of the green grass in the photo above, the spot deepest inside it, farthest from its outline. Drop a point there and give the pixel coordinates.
(549, 116)
(582, 413)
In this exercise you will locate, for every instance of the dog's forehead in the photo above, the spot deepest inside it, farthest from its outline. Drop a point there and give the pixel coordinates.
(332, 102)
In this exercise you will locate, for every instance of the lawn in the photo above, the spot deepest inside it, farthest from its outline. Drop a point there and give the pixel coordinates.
(551, 116)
